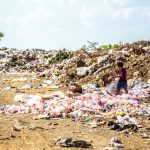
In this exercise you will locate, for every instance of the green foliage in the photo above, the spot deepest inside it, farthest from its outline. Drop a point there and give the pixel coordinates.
(108, 47)
(92, 46)
(60, 55)
(37, 49)
(13, 64)
(19, 64)
(1, 35)
(115, 46)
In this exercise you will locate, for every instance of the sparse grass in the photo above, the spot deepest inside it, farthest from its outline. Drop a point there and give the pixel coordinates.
(1, 35)
(60, 55)
(13, 64)
(108, 47)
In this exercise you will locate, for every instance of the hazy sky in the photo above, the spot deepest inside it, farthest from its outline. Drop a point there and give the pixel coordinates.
(54, 24)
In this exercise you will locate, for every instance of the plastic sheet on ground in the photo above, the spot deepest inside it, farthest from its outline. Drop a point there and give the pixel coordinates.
(79, 106)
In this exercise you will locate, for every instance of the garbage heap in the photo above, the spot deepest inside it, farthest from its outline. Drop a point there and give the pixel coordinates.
(85, 68)
(82, 66)
(93, 102)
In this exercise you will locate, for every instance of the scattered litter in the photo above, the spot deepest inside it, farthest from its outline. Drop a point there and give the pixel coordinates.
(69, 142)
(116, 142)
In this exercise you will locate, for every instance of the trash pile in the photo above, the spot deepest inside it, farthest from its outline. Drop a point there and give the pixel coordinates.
(69, 142)
(64, 66)
(116, 144)
(84, 105)
(81, 67)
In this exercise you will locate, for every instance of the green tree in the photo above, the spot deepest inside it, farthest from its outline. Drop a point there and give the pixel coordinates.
(1, 35)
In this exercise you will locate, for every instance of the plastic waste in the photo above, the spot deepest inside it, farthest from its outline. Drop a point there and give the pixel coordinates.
(84, 105)
(127, 120)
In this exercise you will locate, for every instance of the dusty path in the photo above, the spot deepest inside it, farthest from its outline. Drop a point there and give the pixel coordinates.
(41, 134)
(44, 133)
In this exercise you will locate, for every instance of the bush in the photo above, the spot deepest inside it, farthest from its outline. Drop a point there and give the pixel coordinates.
(60, 55)
(1, 35)
(37, 49)
(13, 64)
(109, 46)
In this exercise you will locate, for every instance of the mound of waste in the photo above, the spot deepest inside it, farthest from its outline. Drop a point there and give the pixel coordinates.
(82, 66)
(86, 74)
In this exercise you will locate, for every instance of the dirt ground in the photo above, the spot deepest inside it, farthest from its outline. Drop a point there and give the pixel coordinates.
(44, 132)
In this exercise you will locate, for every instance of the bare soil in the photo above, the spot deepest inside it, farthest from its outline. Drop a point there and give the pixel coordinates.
(45, 132)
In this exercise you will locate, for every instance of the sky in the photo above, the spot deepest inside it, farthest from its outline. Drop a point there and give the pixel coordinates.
(56, 24)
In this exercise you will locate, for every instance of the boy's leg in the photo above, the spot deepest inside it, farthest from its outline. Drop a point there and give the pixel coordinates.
(118, 91)
(125, 87)
(126, 90)
(118, 88)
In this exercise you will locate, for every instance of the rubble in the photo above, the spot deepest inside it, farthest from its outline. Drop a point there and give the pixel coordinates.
(59, 104)
(116, 142)
(69, 142)
(89, 90)
(79, 65)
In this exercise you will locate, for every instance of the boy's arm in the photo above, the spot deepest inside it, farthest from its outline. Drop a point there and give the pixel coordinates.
(120, 75)
(123, 74)
(117, 76)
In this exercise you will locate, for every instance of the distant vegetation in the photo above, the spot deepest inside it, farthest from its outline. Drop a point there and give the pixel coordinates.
(92, 46)
(1, 35)
(60, 55)
(37, 49)
(109, 46)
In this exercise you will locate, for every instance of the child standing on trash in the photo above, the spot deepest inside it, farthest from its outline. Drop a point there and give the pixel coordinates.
(122, 74)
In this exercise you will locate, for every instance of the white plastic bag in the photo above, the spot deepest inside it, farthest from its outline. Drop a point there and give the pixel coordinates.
(111, 88)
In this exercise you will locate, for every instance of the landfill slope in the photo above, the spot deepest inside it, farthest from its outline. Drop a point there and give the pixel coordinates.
(46, 95)
(64, 66)
(44, 138)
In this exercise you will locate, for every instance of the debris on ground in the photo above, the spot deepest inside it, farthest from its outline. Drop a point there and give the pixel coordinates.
(69, 142)
(80, 87)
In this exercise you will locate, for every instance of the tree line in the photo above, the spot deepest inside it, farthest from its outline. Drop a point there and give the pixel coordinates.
(1, 35)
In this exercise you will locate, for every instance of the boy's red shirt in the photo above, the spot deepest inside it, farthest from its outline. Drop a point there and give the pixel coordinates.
(123, 72)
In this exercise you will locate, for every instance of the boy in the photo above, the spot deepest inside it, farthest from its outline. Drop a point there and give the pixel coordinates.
(122, 83)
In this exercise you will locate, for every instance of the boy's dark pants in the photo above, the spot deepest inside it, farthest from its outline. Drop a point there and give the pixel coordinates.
(122, 85)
